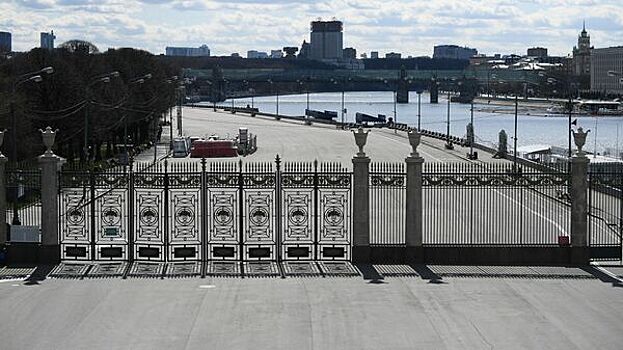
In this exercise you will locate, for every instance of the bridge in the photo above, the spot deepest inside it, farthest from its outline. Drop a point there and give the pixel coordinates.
(220, 84)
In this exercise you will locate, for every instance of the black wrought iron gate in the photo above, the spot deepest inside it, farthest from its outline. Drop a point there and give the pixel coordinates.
(198, 211)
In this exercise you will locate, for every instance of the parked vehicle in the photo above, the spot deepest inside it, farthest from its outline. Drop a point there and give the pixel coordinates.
(180, 147)
(213, 148)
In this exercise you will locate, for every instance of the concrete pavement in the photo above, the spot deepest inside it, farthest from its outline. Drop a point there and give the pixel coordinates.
(459, 308)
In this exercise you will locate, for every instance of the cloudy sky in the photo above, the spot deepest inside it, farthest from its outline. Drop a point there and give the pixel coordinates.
(412, 27)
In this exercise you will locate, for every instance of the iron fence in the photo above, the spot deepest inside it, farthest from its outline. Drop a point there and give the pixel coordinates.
(494, 204)
(605, 212)
(23, 196)
(387, 204)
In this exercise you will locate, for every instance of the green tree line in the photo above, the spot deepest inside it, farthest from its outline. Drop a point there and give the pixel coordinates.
(104, 93)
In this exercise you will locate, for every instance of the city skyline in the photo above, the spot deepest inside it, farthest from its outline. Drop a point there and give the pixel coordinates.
(411, 28)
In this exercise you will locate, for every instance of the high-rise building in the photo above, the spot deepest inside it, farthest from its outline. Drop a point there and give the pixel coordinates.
(374, 54)
(202, 50)
(393, 55)
(256, 54)
(5, 42)
(326, 40)
(606, 69)
(582, 53)
(349, 52)
(537, 52)
(454, 52)
(47, 40)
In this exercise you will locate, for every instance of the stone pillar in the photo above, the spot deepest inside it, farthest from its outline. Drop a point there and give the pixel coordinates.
(579, 202)
(3, 226)
(361, 201)
(414, 205)
(49, 163)
(414, 201)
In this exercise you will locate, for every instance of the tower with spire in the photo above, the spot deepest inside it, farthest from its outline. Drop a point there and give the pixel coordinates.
(582, 53)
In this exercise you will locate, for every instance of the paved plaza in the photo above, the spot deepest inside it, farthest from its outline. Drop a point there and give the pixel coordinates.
(388, 307)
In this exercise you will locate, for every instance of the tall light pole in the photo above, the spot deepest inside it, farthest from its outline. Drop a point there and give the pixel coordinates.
(32, 77)
(103, 79)
(448, 144)
(471, 154)
(419, 109)
(515, 137)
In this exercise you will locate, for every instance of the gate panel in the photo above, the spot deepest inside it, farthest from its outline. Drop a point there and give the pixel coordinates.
(605, 212)
(298, 213)
(75, 217)
(222, 214)
(258, 215)
(149, 216)
(334, 213)
(185, 221)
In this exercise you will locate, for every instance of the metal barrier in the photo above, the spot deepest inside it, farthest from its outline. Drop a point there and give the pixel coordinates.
(494, 205)
(387, 203)
(24, 199)
(605, 211)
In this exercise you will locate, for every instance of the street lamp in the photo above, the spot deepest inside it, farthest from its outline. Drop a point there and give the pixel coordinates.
(104, 79)
(448, 144)
(270, 81)
(32, 77)
(419, 109)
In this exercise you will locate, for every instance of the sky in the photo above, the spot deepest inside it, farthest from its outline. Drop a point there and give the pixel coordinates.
(411, 27)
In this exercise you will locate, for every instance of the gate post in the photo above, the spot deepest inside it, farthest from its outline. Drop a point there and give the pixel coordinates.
(579, 203)
(3, 226)
(50, 244)
(413, 224)
(361, 201)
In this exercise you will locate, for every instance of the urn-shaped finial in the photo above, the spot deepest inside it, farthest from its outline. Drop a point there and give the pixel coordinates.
(414, 140)
(360, 139)
(48, 140)
(579, 137)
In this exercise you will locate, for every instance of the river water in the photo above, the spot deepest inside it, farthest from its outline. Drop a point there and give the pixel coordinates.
(531, 129)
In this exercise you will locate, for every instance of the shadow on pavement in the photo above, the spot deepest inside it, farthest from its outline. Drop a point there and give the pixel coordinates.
(41, 272)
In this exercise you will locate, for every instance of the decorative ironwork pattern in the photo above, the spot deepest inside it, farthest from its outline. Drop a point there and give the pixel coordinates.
(387, 204)
(494, 205)
(111, 207)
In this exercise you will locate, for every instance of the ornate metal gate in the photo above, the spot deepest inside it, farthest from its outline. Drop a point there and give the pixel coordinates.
(187, 212)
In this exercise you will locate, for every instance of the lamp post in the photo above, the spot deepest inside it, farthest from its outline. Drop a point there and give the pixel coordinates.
(32, 77)
(419, 109)
(270, 81)
(448, 144)
(104, 79)
(515, 137)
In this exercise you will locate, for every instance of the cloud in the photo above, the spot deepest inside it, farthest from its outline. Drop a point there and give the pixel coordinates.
(407, 26)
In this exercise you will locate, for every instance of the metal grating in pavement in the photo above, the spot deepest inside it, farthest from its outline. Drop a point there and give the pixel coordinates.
(261, 269)
(108, 269)
(301, 269)
(338, 269)
(69, 270)
(146, 269)
(15, 272)
(223, 268)
(183, 269)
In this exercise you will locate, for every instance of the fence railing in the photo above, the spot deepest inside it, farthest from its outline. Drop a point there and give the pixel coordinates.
(387, 203)
(605, 211)
(494, 204)
(24, 196)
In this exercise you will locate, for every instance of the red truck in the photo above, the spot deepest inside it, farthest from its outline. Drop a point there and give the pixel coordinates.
(213, 149)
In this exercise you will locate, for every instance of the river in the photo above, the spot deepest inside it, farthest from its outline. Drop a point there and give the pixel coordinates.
(606, 134)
